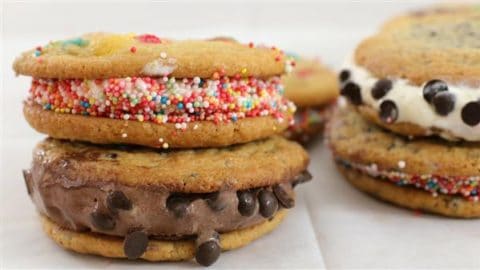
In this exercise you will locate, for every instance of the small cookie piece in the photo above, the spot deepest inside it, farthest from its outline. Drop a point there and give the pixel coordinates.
(426, 65)
(145, 90)
(140, 194)
(428, 174)
(313, 88)
(156, 250)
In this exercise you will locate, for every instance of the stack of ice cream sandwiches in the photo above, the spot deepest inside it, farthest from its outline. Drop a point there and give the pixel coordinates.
(410, 134)
(313, 88)
(159, 149)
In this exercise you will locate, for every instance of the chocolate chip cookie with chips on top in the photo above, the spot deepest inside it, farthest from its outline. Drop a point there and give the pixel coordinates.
(314, 89)
(127, 196)
(146, 90)
(411, 132)
(420, 75)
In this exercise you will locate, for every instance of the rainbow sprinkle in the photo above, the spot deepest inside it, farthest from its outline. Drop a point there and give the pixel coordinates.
(466, 186)
(80, 42)
(305, 118)
(166, 99)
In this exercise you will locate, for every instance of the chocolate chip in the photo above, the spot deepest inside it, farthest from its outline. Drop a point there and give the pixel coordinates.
(178, 205)
(471, 113)
(352, 92)
(215, 202)
(381, 88)
(246, 203)
(135, 244)
(207, 253)
(112, 155)
(268, 203)
(444, 103)
(283, 197)
(344, 75)
(118, 200)
(432, 88)
(303, 177)
(388, 111)
(102, 221)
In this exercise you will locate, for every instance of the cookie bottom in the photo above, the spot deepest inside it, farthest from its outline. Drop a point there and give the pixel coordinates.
(404, 128)
(157, 250)
(409, 197)
(102, 130)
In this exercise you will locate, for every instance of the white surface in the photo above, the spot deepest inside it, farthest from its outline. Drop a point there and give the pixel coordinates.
(332, 226)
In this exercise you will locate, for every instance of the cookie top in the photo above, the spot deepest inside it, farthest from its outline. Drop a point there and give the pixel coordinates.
(355, 140)
(311, 84)
(256, 164)
(107, 55)
(426, 45)
(420, 75)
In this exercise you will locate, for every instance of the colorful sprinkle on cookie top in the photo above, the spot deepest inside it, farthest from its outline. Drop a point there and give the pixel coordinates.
(105, 55)
(148, 38)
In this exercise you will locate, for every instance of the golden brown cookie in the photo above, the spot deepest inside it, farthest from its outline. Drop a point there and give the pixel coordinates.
(426, 45)
(419, 75)
(313, 88)
(107, 55)
(157, 250)
(166, 135)
(261, 163)
(418, 169)
(311, 84)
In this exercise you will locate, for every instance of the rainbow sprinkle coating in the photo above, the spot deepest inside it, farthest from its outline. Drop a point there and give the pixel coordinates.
(165, 99)
(466, 186)
(306, 118)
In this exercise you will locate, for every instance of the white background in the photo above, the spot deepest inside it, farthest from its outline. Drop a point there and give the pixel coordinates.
(333, 225)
